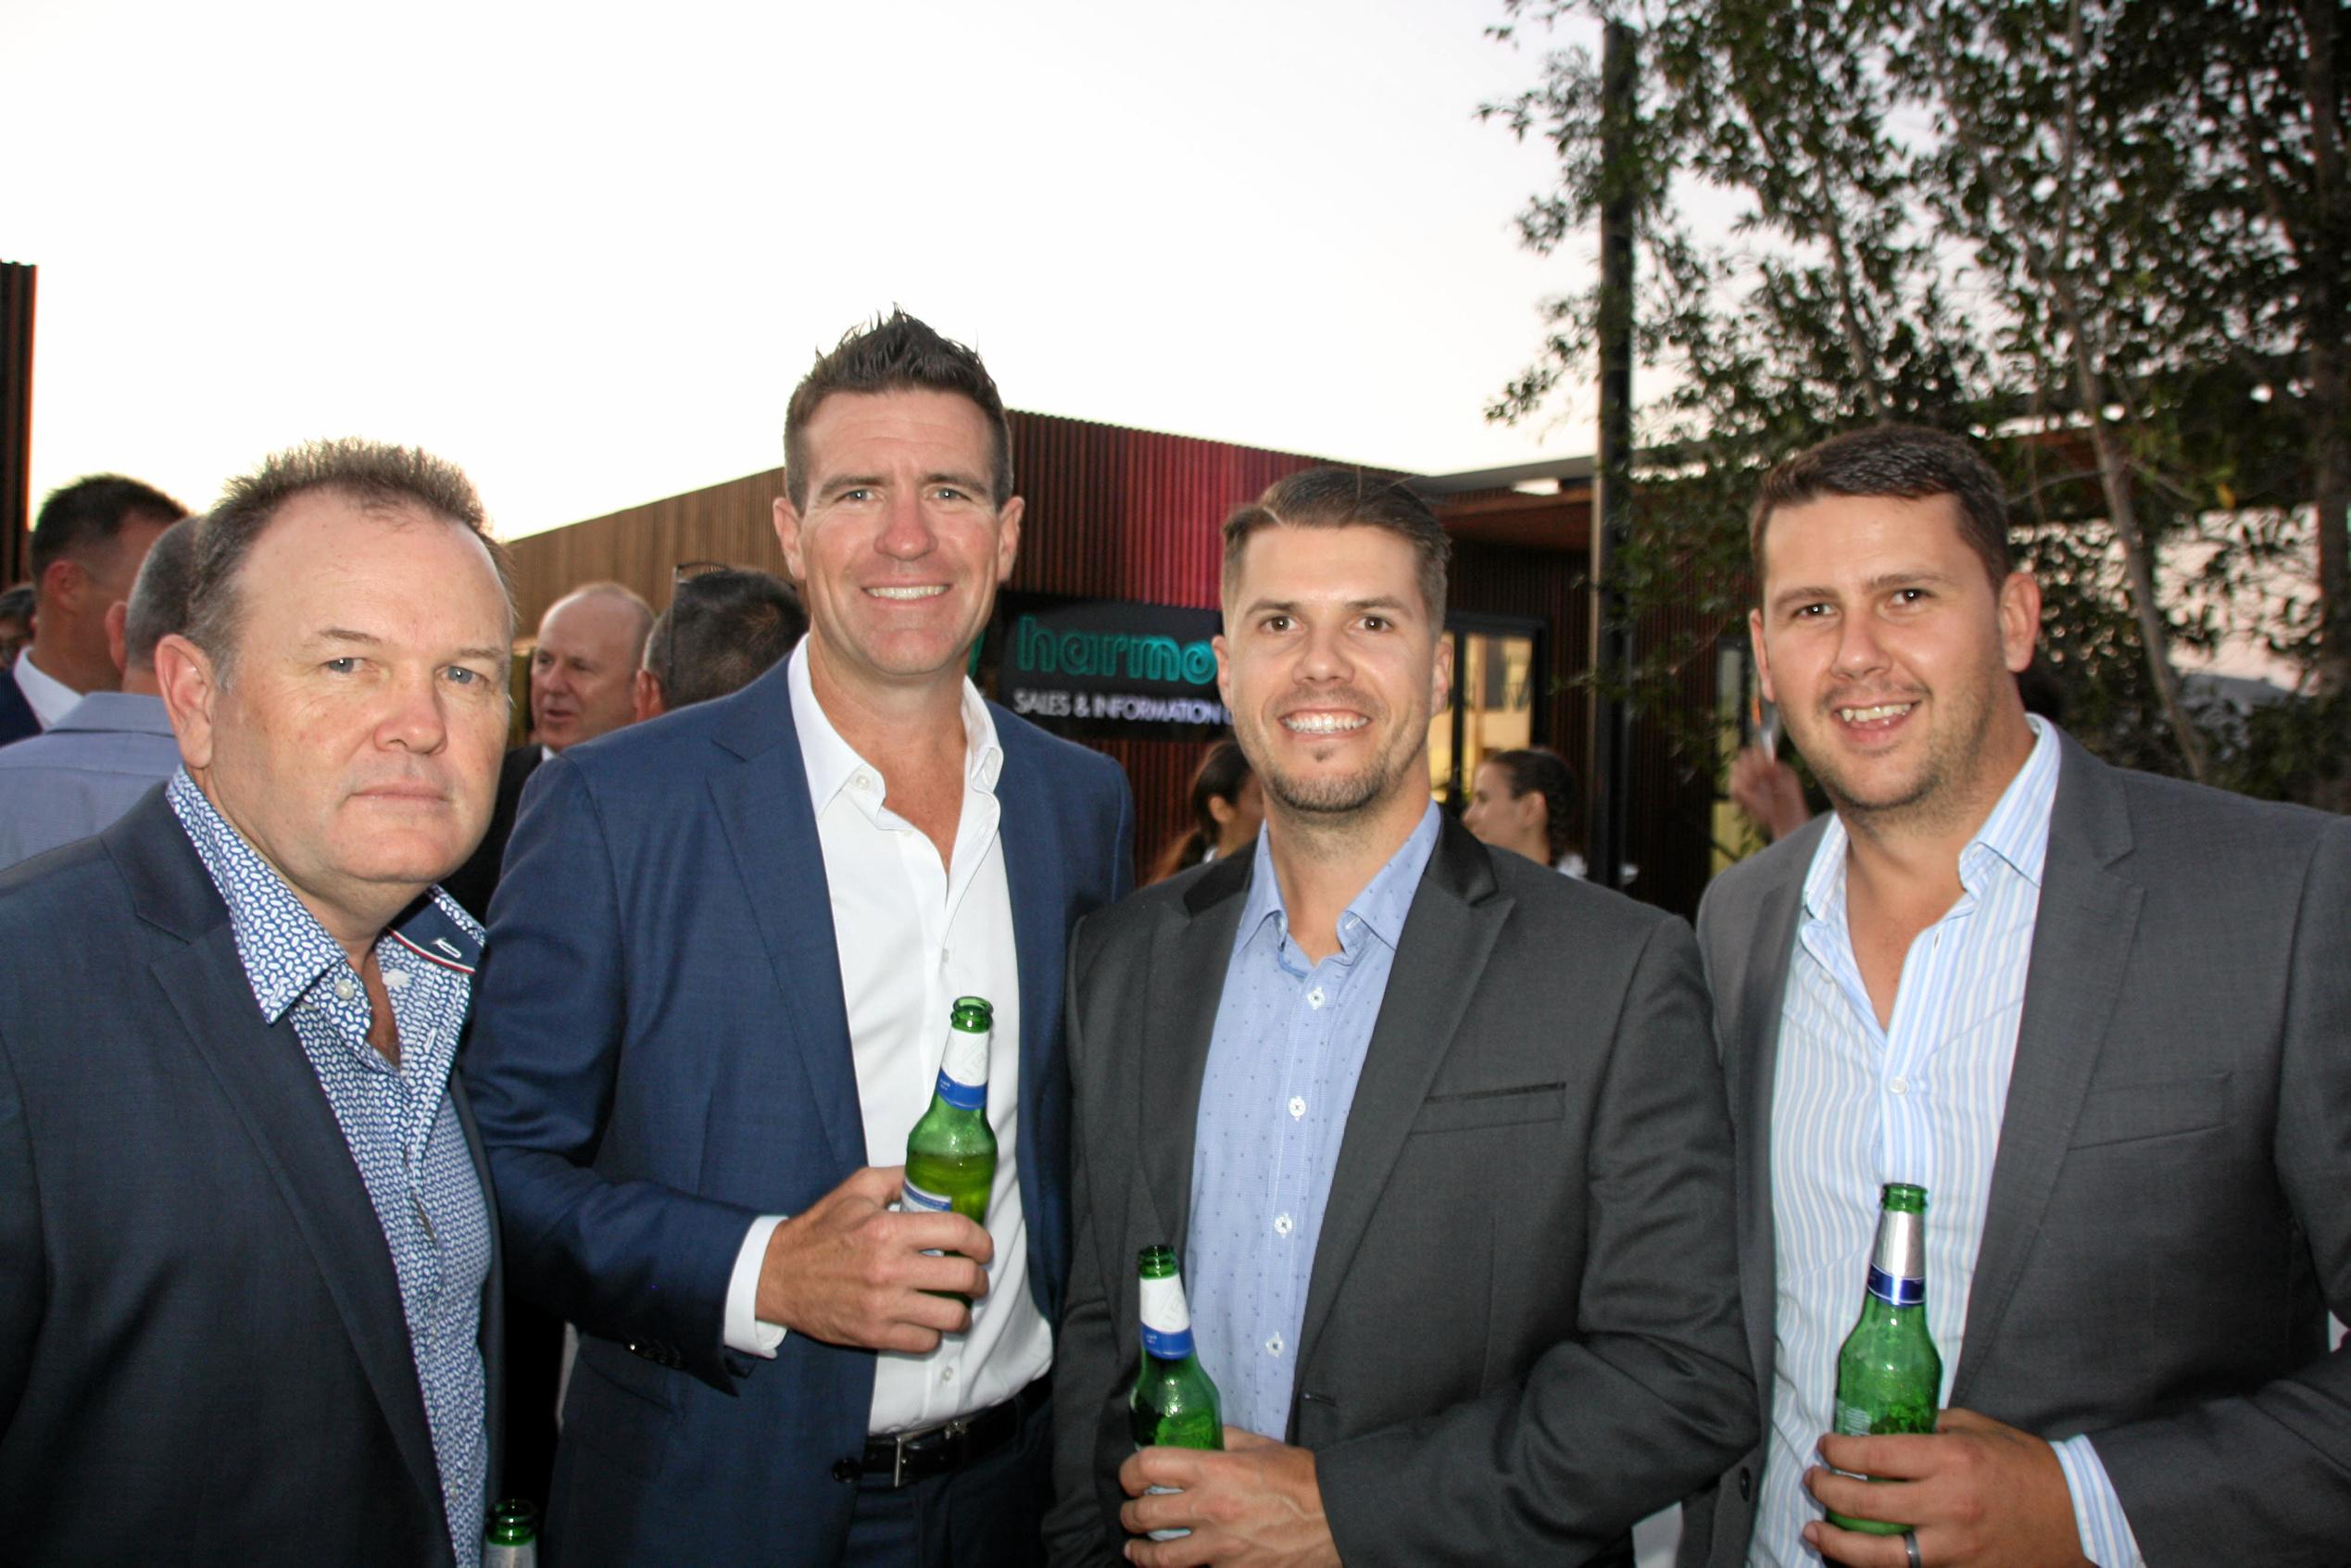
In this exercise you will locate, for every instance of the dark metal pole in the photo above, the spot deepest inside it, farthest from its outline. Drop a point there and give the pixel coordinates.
(16, 423)
(1609, 750)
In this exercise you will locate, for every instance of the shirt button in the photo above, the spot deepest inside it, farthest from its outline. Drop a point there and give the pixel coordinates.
(344, 988)
(1297, 1107)
(1273, 1345)
(1314, 998)
(947, 1375)
(1283, 1224)
(1900, 1086)
(865, 783)
(395, 978)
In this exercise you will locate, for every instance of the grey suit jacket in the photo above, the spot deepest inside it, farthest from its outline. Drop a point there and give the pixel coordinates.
(1521, 1332)
(2170, 1207)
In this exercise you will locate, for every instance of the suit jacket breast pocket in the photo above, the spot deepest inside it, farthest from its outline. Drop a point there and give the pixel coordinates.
(2135, 1113)
(1491, 1107)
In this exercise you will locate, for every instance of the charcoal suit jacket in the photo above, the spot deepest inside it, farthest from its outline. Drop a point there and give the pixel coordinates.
(2169, 1218)
(1521, 1332)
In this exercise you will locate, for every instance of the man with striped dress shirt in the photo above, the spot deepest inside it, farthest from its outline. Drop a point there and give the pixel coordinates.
(2098, 1015)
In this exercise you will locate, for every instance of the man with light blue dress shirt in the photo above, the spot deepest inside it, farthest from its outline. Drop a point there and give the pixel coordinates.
(248, 1253)
(87, 544)
(110, 748)
(2099, 1016)
(1438, 1132)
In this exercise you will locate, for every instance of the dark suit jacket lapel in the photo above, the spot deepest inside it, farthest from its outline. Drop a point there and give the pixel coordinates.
(491, 1335)
(1193, 948)
(1036, 880)
(1440, 961)
(1751, 1034)
(763, 809)
(2082, 938)
(269, 1082)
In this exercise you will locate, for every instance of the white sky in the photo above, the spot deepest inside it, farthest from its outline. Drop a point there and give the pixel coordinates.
(585, 250)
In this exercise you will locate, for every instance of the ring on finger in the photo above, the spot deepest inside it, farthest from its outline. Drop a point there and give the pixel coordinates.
(1910, 1547)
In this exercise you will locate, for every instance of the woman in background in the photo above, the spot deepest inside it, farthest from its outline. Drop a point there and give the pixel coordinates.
(1226, 808)
(1525, 801)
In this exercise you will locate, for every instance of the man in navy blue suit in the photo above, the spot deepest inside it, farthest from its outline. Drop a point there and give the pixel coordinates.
(722, 961)
(247, 1255)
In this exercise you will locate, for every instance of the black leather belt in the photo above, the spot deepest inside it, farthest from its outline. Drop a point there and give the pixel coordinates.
(909, 1457)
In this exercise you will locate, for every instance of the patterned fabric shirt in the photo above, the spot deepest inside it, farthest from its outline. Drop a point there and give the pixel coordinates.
(1282, 1066)
(399, 1121)
(1855, 1105)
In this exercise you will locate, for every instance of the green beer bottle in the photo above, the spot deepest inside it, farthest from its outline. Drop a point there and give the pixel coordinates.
(1174, 1404)
(1889, 1372)
(950, 1155)
(513, 1538)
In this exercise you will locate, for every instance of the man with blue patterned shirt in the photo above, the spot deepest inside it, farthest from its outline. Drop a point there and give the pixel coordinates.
(2099, 1016)
(1440, 1132)
(246, 1242)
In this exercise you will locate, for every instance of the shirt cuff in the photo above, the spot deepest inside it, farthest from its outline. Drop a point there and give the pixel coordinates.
(2106, 1540)
(745, 1331)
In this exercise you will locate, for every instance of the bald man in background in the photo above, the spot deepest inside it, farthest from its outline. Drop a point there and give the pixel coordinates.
(582, 684)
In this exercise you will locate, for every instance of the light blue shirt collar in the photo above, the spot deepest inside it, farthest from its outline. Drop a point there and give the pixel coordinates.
(1380, 909)
(2016, 832)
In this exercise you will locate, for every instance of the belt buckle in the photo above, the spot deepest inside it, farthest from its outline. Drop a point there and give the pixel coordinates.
(949, 1430)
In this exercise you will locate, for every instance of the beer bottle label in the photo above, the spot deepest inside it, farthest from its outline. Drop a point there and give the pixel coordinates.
(1851, 1420)
(962, 1072)
(1894, 1290)
(914, 1200)
(1167, 1323)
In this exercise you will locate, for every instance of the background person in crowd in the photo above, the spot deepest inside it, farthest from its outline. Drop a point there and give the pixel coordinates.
(1439, 1131)
(15, 625)
(1523, 800)
(246, 1249)
(720, 972)
(110, 748)
(2099, 1015)
(87, 544)
(726, 627)
(1228, 808)
(582, 674)
(582, 671)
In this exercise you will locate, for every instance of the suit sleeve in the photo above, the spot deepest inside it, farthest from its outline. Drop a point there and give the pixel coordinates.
(2271, 1469)
(1085, 1364)
(1652, 1397)
(633, 1261)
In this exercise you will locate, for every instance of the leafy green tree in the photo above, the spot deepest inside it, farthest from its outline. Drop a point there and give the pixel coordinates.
(2108, 235)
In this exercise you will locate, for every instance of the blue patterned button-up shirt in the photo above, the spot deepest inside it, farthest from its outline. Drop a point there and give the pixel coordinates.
(400, 1123)
(1282, 1066)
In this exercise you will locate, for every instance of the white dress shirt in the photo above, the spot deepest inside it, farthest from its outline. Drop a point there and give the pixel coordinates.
(912, 935)
(50, 699)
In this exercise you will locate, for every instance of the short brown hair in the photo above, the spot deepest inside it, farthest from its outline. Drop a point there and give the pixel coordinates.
(1907, 461)
(75, 519)
(1339, 498)
(373, 475)
(895, 353)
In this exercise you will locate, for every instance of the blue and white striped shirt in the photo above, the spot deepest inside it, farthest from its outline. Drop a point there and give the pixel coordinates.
(1282, 1067)
(399, 1121)
(1855, 1106)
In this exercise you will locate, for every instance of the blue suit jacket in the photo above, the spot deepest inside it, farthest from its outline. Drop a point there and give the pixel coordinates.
(661, 1054)
(203, 1356)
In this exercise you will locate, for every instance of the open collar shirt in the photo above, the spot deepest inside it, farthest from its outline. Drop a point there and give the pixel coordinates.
(50, 699)
(912, 933)
(1283, 1062)
(1855, 1105)
(400, 1120)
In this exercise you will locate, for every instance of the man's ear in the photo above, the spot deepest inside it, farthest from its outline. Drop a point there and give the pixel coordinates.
(119, 646)
(191, 688)
(788, 536)
(647, 697)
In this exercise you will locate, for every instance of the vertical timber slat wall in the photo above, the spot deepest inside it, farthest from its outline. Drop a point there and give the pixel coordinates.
(16, 281)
